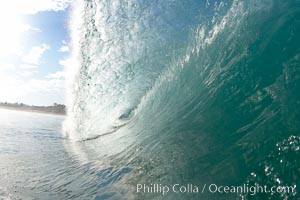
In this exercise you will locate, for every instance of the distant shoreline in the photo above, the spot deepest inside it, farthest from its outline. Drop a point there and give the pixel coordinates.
(32, 111)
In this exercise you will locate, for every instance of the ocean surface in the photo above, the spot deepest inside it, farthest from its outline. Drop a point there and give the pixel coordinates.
(189, 92)
(37, 163)
(166, 92)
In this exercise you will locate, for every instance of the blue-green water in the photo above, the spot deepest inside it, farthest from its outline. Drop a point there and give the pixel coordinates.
(37, 163)
(191, 91)
(167, 92)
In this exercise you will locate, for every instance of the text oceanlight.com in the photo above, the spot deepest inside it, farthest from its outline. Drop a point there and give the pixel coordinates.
(213, 188)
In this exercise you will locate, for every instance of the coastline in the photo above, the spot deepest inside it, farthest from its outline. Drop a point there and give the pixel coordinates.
(32, 111)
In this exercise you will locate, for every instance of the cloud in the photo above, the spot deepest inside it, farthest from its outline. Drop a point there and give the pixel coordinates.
(13, 26)
(17, 83)
(63, 48)
(56, 75)
(27, 66)
(65, 62)
(33, 91)
(35, 54)
(40, 85)
(27, 27)
(6, 66)
(27, 73)
(34, 6)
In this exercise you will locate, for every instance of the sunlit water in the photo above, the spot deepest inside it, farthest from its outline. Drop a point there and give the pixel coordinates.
(37, 163)
(188, 92)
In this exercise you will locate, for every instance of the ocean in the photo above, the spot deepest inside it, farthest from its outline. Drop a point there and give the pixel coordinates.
(36, 162)
(166, 94)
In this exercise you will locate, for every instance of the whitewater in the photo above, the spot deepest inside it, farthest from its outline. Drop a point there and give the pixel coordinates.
(190, 92)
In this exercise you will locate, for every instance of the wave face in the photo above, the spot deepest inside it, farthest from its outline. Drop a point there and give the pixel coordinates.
(122, 48)
(191, 91)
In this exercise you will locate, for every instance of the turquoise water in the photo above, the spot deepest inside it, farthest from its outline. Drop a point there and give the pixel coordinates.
(166, 92)
(191, 91)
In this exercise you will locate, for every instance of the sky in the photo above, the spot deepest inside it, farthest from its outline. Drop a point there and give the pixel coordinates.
(33, 51)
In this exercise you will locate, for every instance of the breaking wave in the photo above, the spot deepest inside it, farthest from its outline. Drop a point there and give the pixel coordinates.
(207, 87)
